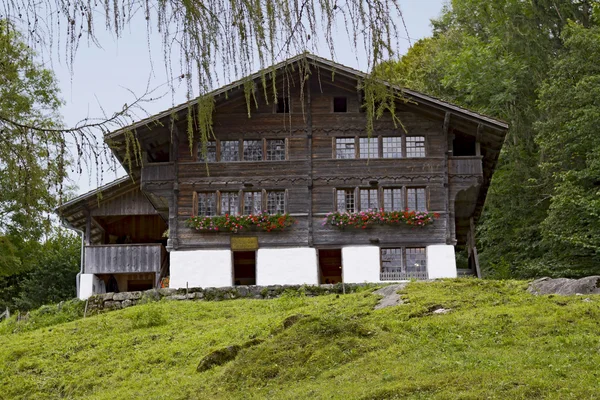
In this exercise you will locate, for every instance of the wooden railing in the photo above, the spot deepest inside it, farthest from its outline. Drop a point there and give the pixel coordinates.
(396, 274)
(158, 172)
(471, 165)
(124, 258)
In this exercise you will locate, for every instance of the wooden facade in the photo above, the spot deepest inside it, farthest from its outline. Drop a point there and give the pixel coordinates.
(452, 167)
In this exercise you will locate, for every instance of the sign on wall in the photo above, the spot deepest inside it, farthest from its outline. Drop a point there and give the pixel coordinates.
(244, 243)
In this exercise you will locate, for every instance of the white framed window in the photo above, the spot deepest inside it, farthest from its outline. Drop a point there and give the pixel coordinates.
(346, 201)
(415, 146)
(392, 147)
(275, 149)
(252, 203)
(368, 147)
(207, 203)
(345, 148)
(393, 199)
(276, 202)
(230, 203)
(368, 199)
(416, 199)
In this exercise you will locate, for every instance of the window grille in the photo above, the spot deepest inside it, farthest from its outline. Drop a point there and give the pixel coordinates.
(392, 200)
(252, 203)
(230, 203)
(345, 200)
(276, 202)
(416, 199)
(211, 151)
(345, 148)
(253, 150)
(207, 204)
(230, 150)
(392, 147)
(275, 149)
(400, 264)
(368, 199)
(416, 259)
(415, 146)
(368, 147)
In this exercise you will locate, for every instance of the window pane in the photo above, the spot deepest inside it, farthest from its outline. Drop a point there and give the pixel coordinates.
(416, 259)
(230, 203)
(368, 147)
(252, 203)
(416, 199)
(391, 260)
(392, 200)
(415, 146)
(345, 200)
(253, 150)
(230, 150)
(207, 204)
(344, 148)
(210, 150)
(276, 202)
(392, 147)
(275, 149)
(368, 199)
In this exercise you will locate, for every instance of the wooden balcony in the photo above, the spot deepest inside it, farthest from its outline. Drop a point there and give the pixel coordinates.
(125, 258)
(158, 172)
(470, 165)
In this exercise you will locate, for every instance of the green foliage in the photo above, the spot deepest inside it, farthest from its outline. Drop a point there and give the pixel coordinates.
(497, 341)
(146, 317)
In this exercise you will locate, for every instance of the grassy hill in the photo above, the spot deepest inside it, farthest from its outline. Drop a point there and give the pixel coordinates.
(496, 342)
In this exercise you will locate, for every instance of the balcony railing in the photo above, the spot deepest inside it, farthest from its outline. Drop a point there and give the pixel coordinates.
(124, 258)
(155, 172)
(397, 274)
(470, 165)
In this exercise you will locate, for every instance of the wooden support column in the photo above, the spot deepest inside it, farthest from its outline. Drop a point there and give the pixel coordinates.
(173, 241)
(88, 227)
(309, 133)
(478, 139)
(473, 246)
(449, 215)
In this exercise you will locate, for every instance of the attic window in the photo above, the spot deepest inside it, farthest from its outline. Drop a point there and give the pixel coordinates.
(340, 104)
(283, 105)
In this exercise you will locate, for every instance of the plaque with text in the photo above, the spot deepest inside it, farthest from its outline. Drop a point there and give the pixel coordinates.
(244, 243)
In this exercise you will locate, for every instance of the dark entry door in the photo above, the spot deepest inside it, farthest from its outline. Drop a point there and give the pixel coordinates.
(244, 267)
(330, 265)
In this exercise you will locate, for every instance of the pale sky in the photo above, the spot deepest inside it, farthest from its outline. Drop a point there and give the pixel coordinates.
(104, 76)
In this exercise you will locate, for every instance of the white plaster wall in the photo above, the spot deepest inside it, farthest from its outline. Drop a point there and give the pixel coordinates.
(89, 284)
(287, 266)
(360, 264)
(441, 262)
(200, 268)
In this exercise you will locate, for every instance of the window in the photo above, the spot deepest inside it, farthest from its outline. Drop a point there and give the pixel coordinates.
(403, 263)
(210, 151)
(253, 150)
(340, 105)
(391, 260)
(283, 105)
(392, 199)
(368, 147)
(345, 200)
(416, 199)
(252, 203)
(230, 203)
(368, 199)
(275, 149)
(276, 202)
(345, 148)
(416, 259)
(392, 147)
(207, 204)
(415, 146)
(230, 150)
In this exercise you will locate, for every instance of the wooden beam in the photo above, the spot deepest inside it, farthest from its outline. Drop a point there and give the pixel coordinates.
(447, 144)
(173, 241)
(309, 134)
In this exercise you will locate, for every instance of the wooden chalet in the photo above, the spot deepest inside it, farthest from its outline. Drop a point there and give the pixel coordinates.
(307, 155)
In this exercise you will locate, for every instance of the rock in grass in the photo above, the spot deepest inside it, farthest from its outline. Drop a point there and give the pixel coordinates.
(218, 357)
(564, 286)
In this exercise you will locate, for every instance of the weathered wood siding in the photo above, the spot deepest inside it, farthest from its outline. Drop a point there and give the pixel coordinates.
(131, 203)
(124, 258)
(311, 177)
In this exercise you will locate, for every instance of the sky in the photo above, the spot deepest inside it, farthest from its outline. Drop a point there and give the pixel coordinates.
(104, 78)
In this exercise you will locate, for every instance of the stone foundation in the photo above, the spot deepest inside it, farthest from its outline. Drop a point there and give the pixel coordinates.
(116, 301)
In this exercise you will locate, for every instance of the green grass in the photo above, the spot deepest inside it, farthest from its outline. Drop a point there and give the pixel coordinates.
(497, 342)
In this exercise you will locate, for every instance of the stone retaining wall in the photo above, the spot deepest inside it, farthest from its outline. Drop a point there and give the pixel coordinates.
(116, 301)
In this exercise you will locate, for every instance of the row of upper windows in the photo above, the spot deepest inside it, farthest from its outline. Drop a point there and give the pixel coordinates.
(240, 202)
(386, 199)
(344, 148)
(380, 147)
(275, 201)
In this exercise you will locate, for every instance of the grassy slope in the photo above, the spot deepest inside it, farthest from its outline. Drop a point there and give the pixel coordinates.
(498, 342)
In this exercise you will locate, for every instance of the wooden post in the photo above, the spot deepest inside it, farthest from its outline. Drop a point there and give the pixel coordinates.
(309, 133)
(478, 139)
(473, 246)
(88, 227)
(446, 129)
(173, 241)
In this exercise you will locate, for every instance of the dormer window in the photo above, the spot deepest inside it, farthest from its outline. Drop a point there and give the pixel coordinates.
(340, 104)
(283, 105)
